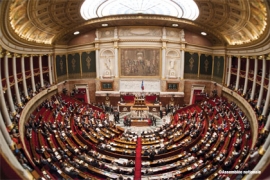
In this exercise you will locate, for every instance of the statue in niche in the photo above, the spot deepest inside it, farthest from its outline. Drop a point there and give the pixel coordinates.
(107, 71)
(172, 73)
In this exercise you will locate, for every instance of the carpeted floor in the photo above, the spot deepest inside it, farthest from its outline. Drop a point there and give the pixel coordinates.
(138, 159)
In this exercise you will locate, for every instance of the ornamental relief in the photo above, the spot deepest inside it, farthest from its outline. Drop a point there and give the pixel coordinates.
(140, 31)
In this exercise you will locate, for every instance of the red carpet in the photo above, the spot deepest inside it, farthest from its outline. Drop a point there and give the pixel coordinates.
(138, 159)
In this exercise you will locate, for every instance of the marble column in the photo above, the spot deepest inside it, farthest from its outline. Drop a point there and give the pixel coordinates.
(262, 83)
(116, 52)
(5, 132)
(53, 69)
(41, 71)
(182, 64)
(97, 54)
(32, 74)
(97, 64)
(267, 101)
(9, 95)
(17, 92)
(238, 73)
(116, 62)
(246, 76)
(266, 144)
(163, 62)
(267, 125)
(50, 69)
(254, 79)
(229, 71)
(24, 78)
(3, 106)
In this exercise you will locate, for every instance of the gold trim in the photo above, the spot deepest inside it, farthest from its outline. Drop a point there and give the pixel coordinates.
(262, 151)
(14, 113)
(261, 117)
(12, 146)
(20, 104)
(10, 127)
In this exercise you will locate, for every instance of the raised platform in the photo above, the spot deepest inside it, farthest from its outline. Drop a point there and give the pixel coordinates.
(127, 107)
(139, 123)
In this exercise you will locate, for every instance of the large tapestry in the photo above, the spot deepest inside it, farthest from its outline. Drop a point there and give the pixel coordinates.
(89, 64)
(74, 65)
(191, 65)
(61, 67)
(205, 66)
(218, 68)
(140, 62)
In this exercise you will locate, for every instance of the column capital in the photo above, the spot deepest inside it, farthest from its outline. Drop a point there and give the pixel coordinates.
(6, 53)
(262, 150)
(15, 55)
(10, 127)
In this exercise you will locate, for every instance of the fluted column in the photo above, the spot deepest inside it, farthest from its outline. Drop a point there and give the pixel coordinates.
(246, 76)
(267, 101)
(5, 132)
(53, 69)
(267, 125)
(41, 71)
(97, 63)
(266, 144)
(3, 106)
(229, 71)
(116, 52)
(116, 62)
(10, 99)
(97, 54)
(254, 79)
(32, 74)
(163, 61)
(24, 78)
(238, 73)
(18, 96)
(182, 64)
(262, 83)
(50, 68)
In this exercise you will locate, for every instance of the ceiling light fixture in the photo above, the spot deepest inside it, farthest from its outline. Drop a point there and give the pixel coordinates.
(76, 32)
(104, 25)
(203, 33)
(174, 25)
(186, 9)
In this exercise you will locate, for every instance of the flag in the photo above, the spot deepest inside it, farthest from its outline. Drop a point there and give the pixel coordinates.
(142, 86)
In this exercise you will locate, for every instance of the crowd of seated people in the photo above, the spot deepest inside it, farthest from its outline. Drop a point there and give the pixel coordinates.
(225, 127)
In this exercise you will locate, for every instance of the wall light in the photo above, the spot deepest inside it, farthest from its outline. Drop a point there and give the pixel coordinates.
(203, 33)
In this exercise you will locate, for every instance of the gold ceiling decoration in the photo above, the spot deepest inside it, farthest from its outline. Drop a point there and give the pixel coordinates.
(231, 22)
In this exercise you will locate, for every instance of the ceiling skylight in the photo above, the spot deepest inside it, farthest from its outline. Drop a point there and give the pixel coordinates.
(187, 9)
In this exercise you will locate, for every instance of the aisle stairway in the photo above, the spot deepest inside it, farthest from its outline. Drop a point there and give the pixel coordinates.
(138, 160)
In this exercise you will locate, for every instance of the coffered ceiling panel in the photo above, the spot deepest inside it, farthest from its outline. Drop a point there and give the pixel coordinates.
(227, 22)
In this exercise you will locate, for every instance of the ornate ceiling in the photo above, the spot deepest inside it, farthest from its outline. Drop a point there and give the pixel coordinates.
(226, 22)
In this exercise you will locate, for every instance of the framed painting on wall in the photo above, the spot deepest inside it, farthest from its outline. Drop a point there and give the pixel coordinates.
(139, 62)
(172, 86)
(106, 86)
